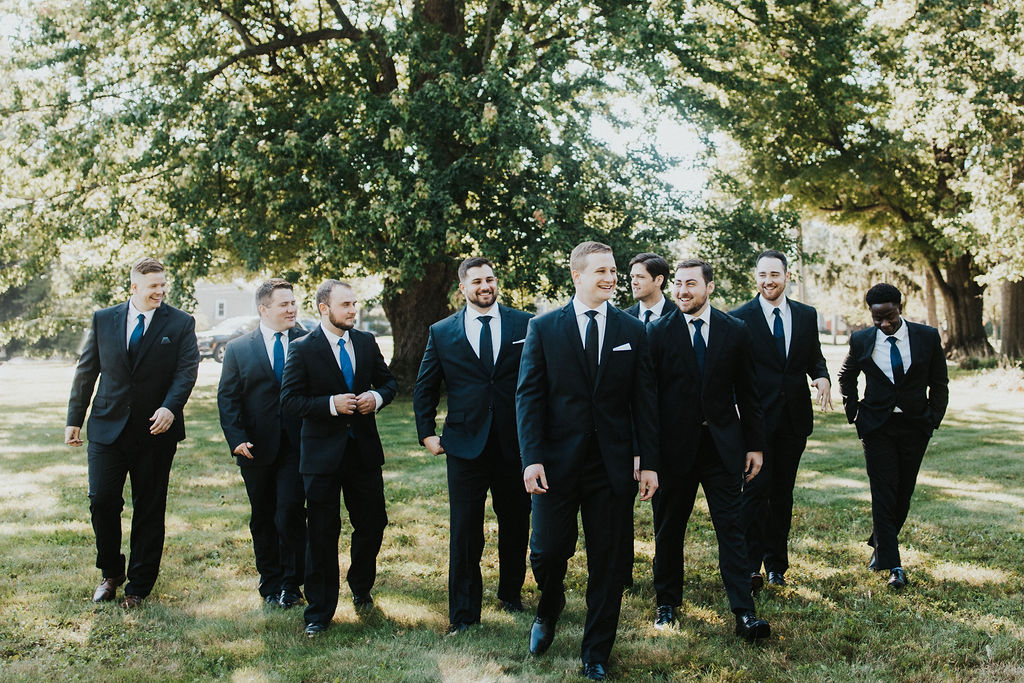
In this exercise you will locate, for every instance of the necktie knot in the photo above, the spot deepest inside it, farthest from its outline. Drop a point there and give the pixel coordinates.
(776, 313)
(892, 340)
(647, 316)
(697, 323)
(277, 336)
(591, 314)
(485, 319)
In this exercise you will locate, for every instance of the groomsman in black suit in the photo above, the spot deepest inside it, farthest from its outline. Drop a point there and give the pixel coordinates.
(476, 354)
(585, 407)
(146, 357)
(336, 379)
(266, 444)
(786, 352)
(648, 275)
(712, 434)
(904, 400)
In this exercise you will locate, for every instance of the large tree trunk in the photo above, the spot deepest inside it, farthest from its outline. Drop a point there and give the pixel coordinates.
(931, 305)
(411, 312)
(962, 296)
(1013, 320)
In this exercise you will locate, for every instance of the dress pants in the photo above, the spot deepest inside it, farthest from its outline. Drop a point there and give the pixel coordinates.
(893, 455)
(278, 521)
(363, 488)
(768, 499)
(468, 481)
(673, 503)
(147, 460)
(554, 539)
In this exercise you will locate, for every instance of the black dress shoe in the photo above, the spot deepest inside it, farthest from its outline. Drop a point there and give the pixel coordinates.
(289, 598)
(272, 600)
(897, 579)
(594, 671)
(776, 579)
(873, 562)
(511, 606)
(132, 601)
(665, 617)
(459, 627)
(315, 628)
(756, 582)
(362, 603)
(107, 589)
(751, 627)
(542, 634)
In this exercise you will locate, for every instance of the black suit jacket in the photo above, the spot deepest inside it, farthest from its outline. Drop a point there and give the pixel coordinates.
(922, 394)
(729, 382)
(311, 377)
(478, 401)
(782, 382)
(249, 400)
(558, 408)
(162, 375)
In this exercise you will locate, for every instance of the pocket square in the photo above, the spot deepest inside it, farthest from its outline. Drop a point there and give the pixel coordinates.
(519, 341)
(165, 340)
(623, 347)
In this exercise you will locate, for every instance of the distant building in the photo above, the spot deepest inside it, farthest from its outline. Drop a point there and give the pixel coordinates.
(219, 301)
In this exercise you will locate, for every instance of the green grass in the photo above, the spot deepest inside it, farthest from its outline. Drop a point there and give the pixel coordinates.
(961, 619)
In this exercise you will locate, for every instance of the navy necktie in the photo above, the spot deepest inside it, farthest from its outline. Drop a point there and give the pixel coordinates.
(779, 332)
(486, 344)
(699, 346)
(647, 317)
(896, 359)
(136, 339)
(278, 357)
(590, 347)
(346, 365)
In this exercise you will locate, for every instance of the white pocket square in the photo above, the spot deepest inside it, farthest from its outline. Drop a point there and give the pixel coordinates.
(623, 347)
(519, 341)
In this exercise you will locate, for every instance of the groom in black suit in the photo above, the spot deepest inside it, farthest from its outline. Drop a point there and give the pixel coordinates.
(336, 380)
(476, 354)
(266, 444)
(585, 406)
(146, 357)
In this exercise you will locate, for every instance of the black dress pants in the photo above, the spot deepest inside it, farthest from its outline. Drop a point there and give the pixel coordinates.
(147, 460)
(363, 489)
(555, 532)
(468, 481)
(278, 521)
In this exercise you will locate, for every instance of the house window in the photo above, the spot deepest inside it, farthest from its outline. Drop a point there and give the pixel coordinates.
(221, 309)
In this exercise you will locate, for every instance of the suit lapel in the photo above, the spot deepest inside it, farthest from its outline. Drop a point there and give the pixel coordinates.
(327, 355)
(259, 350)
(865, 359)
(611, 336)
(686, 348)
(715, 341)
(507, 334)
(149, 339)
(118, 330)
(572, 331)
(459, 338)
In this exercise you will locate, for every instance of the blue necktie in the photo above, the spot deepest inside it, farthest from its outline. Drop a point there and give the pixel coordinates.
(136, 339)
(699, 347)
(647, 317)
(896, 359)
(486, 344)
(779, 332)
(346, 365)
(278, 357)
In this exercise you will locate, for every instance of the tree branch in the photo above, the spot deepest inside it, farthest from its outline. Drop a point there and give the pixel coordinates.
(274, 46)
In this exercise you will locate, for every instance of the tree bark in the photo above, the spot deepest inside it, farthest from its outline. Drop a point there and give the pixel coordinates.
(930, 304)
(962, 298)
(1013, 320)
(411, 312)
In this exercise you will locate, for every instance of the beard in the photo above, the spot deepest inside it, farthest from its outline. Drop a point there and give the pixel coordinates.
(483, 299)
(341, 324)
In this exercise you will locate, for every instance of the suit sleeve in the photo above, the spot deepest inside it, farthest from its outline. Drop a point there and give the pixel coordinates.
(383, 381)
(82, 385)
(644, 408)
(748, 397)
(296, 400)
(531, 397)
(187, 369)
(848, 376)
(938, 382)
(816, 367)
(427, 392)
(229, 400)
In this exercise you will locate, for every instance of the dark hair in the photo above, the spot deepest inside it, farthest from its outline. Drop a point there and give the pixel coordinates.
(473, 262)
(771, 253)
(147, 265)
(654, 264)
(705, 268)
(578, 258)
(266, 290)
(323, 292)
(883, 293)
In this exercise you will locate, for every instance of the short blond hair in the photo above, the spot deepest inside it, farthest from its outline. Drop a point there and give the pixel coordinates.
(578, 258)
(145, 266)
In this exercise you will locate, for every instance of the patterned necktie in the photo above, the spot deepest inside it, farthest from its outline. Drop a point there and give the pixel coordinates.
(699, 346)
(647, 317)
(346, 365)
(896, 359)
(590, 347)
(278, 357)
(136, 339)
(486, 344)
(779, 332)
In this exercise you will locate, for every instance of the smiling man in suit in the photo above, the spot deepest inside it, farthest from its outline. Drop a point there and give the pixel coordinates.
(712, 435)
(146, 357)
(904, 400)
(266, 444)
(786, 352)
(585, 407)
(335, 380)
(648, 274)
(475, 353)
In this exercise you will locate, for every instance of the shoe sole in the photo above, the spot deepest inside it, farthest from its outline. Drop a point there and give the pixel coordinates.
(757, 633)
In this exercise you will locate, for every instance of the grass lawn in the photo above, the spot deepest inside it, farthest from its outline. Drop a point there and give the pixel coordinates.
(962, 618)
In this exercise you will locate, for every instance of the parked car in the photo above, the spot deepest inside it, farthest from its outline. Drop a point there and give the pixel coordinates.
(213, 341)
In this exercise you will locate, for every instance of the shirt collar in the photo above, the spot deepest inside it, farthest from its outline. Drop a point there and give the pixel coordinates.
(268, 333)
(333, 338)
(767, 306)
(900, 334)
(705, 316)
(579, 309)
(473, 314)
(133, 313)
(658, 308)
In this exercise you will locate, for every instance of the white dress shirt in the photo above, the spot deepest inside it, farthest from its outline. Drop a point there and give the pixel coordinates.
(268, 341)
(133, 321)
(785, 312)
(474, 327)
(704, 332)
(582, 320)
(657, 310)
(333, 340)
(880, 354)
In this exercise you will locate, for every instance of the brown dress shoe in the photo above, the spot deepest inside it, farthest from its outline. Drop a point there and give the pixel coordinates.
(107, 589)
(132, 601)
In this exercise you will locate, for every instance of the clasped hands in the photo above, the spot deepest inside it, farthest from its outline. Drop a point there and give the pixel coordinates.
(348, 404)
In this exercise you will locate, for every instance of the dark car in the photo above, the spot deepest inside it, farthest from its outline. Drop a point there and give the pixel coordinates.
(213, 340)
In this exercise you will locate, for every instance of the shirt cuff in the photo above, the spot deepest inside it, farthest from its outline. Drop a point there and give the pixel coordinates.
(334, 411)
(378, 399)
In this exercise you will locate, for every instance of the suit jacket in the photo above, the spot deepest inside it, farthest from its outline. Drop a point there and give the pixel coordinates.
(922, 394)
(782, 382)
(478, 401)
(162, 375)
(311, 377)
(249, 400)
(558, 408)
(729, 382)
